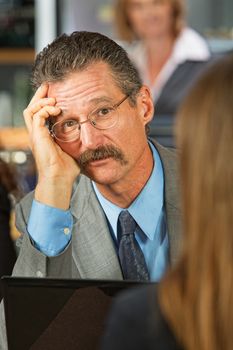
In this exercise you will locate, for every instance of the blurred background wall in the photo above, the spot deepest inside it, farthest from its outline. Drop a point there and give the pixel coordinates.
(212, 18)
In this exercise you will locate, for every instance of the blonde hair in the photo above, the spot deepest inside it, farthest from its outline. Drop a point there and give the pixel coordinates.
(124, 29)
(197, 296)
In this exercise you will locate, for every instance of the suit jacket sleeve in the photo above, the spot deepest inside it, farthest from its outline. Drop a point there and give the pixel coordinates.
(31, 262)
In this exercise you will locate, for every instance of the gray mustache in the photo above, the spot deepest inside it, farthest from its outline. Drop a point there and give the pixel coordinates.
(100, 153)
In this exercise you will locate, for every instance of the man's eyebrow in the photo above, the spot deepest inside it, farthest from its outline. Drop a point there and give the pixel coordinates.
(101, 99)
(93, 102)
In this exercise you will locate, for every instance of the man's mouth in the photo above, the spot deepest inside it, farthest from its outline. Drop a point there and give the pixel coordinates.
(100, 161)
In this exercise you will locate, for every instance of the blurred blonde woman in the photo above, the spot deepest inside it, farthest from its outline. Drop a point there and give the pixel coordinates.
(168, 54)
(192, 307)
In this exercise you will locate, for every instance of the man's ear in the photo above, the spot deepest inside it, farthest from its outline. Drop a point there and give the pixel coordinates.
(145, 105)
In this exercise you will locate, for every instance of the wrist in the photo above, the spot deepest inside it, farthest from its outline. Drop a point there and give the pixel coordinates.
(54, 192)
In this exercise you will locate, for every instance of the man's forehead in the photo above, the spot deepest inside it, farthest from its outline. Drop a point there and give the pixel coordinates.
(82, 84)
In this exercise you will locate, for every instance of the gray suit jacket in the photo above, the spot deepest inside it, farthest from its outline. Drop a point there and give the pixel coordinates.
(91, 252)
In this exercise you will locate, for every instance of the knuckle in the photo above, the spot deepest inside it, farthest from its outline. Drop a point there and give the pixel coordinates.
(25, 112)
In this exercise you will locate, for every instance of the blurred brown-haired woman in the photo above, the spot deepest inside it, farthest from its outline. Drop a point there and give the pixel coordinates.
(192, 307)
(168, 54)
(197, 297)
(124, 9)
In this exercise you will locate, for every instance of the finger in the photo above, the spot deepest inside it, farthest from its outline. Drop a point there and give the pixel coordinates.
(30, 111)
(35, 107)
(39, 118)
(40, 93)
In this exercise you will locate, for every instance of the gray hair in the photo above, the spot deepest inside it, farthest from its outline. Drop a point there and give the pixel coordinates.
(77, 51)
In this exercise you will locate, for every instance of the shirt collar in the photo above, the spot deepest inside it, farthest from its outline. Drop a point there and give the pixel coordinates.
(190, 45)
(146, 208)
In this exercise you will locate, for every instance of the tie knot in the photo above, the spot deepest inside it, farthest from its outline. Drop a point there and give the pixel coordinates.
(127, 223)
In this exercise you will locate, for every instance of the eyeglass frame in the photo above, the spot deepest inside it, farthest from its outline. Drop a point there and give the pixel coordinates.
(115, 106)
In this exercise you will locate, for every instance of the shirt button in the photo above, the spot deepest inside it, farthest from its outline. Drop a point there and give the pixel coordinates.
(39, 273)
(66, 230)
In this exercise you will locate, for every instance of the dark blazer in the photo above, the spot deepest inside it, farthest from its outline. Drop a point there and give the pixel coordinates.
(135, 322)
(7, 251)
(178, 86)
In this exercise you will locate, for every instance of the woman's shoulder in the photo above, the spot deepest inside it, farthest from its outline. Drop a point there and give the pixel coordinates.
(136, 321)
(142, 300)
(137, 300)
(191, 45)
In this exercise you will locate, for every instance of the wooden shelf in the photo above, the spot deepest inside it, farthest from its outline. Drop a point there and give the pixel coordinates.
(17, 56)
(14, 138)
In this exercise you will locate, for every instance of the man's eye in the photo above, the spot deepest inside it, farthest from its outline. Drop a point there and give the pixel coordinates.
(104, 112)
(68, 125)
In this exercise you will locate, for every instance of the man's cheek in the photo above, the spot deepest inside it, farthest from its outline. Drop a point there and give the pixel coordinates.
(70, 148)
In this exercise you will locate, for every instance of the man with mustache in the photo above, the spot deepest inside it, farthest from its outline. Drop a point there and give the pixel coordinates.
(97, 170)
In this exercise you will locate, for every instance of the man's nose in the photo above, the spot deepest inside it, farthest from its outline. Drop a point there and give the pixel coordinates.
(90, 137)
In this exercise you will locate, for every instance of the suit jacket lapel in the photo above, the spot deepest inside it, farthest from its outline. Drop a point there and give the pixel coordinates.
(172, 200)
(93, 249)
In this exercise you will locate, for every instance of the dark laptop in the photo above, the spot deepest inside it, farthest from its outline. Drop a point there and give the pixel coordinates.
(66, 314)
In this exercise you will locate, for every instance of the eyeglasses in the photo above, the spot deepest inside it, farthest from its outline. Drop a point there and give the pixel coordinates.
(103, 117)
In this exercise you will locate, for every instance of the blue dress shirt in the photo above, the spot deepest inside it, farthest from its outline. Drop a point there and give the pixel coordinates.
(50, 228)
(149, 213)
